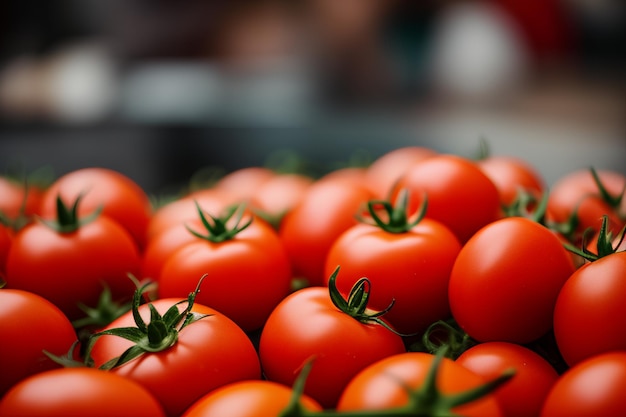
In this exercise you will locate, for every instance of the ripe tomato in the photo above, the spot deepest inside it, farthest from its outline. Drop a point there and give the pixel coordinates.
(71, 262)
(383, 385)
(459, 194)
(385, 170)
(592, 387)
(590, 309)
(79, 392)
(524, 394)
(30, 324)
(326, 210)
(6, 237)
(243, 182)
(307, 324)
(208, 353)
(120, 198)
(19, 199)
(260, 398)
(248, 273)
(505, 281)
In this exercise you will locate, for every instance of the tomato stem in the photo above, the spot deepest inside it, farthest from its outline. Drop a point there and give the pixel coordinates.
(396, 218)
(218, 230)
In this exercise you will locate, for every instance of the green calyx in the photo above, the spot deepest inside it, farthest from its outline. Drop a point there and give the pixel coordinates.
(604, 245)
(67, 220)
(446, 336)
(613, 200)
(222, 228)
(159, 334)
(395, 218)
(424, 401)
(356, 304)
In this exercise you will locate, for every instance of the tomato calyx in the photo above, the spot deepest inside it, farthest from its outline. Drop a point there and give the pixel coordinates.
(446, 336)
(159, 334)
(604, 245)
(356, 304)
(218, 229)
(613, 200)
(68, 220)
(396, 218)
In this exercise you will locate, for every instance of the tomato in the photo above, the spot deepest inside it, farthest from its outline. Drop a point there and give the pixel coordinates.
(383, 385)
(120, 198)
(70, 262)
(79, 391)
(308, 324)
(19, 198)
(208, 353)
(6, 237)
(326, 210)
(30, 324)
(243, 182)
(510, 175)
(275, 197)
(385, 170)
(525, 393)
(505, 281)
(260, 398)
(248, 273)
(592, 387)
(459, 194)
(409, 264)
(590, 309)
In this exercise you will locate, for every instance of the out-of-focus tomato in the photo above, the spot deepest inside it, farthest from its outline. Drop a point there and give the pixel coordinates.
(19, 199)
(592, 387)
(260, 398)
(523, 395)
(79, 391)
(6, 237)
(505, 281)
(30, 324)
(244, 182)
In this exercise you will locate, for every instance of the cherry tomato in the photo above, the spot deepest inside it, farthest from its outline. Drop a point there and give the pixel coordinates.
(277, 196)
(208, 353)
(592, 387)
(244, 182)
(30, 324)
(79, 392)
(6, 237)
(510, 175)
(525, 393)
(383, 385)
(120, 198)
(19, 199)
(260, 398)
(505, 281)
(590, 309)
(459, 194)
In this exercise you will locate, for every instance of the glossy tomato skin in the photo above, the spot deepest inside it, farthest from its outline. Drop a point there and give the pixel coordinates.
(69, 392)
(524, 394)
(120, 198)
(459, 194)
(411, 268)
(30, 324)
(505, 281)
(258, 398)
(72, 268)
(247, 276)
(382, 385)
(307, 325)
(209, 353)
(510, 175)
(326, 210)
(592, 387)
(590, 309)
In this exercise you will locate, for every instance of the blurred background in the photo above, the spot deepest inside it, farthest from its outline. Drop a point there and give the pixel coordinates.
(160, 89)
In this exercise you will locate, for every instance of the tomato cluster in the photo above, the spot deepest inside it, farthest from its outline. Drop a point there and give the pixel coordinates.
(423, 284)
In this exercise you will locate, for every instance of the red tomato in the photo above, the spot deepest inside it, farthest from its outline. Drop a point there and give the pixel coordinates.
(505, 281)
(383, 385)
(592, 387)
(72, 267)
(120, 198)
(306, 325)
(590, 309)
(208, 353)
(459, 194)
(510, 174)
(79, 391)
(243, 182)
(6, 237)
(385, 170)
(275, 197)
(248, 274)
(30, 324)
(326, 210)
(524, 394)
(19, 198)
(410, 267)
(248, 399)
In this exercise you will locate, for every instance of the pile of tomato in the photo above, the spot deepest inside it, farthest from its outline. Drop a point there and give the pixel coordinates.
(422, 284)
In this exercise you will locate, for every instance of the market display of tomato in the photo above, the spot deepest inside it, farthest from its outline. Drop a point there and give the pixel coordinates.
(420, 283)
